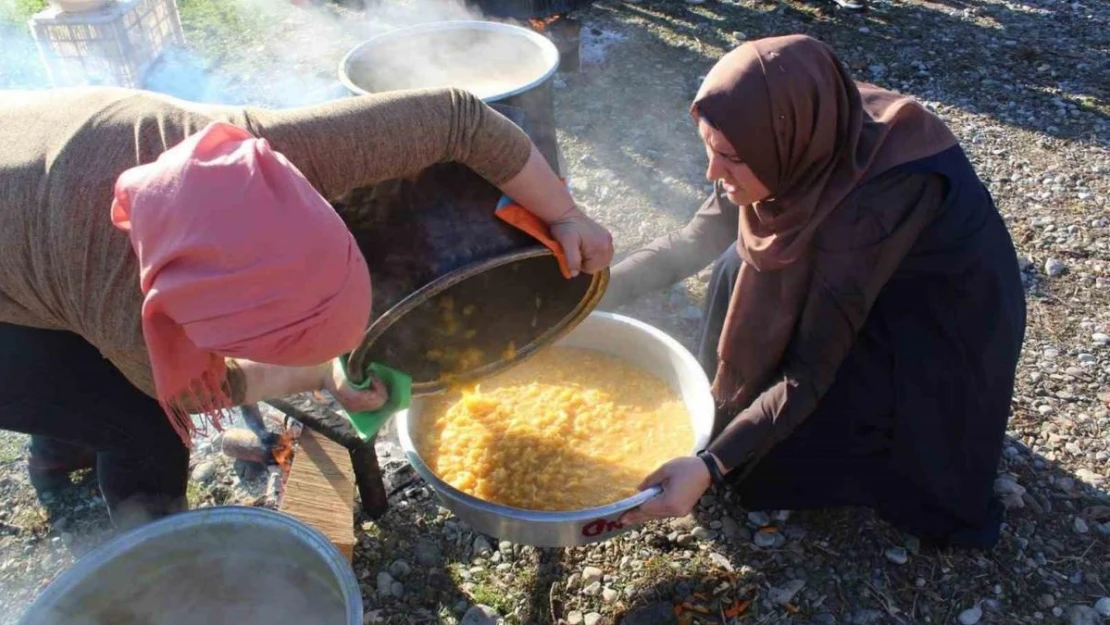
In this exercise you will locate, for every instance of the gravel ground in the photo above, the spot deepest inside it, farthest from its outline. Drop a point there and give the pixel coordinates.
(1024, 86)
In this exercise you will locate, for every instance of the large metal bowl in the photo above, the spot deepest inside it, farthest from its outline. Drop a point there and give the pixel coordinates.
(626, 338)
(494, 61)
(247, 566)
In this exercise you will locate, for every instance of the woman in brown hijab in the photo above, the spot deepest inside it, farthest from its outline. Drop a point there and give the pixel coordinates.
(866, 314)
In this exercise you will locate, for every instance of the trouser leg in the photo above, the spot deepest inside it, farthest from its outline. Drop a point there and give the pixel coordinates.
(56, 385)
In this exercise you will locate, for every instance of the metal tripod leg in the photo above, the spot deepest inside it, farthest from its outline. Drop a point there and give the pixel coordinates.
(364, 458)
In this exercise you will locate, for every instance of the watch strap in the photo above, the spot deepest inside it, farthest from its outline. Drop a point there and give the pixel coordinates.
(711, 464)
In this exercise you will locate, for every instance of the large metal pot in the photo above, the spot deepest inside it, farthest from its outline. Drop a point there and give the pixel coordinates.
(247, 566)
(613, 334)
(500, 63)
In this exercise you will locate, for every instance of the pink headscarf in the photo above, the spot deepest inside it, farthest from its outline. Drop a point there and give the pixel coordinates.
(239, 257)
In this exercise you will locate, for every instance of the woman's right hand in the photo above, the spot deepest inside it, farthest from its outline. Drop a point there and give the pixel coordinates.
(353, 399)
(588, 246)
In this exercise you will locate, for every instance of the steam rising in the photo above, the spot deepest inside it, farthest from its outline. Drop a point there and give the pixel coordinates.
(284, 55)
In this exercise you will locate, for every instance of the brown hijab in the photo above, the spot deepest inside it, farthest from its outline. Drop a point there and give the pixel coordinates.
(811, 135)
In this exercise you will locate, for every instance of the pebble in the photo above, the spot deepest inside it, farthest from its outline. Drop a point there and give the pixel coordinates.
(385, 584)
(592, 590)
(732, 530)
(400, 569)
(398, 589)
(865, 616)
(897, 555)
(701, 533)
(1100, 339)
(482, 546)
(759, 519)
(204, 471)
(1054, 268)
(1083, 615)
(575, 617)
(481, 615)
(660, 613)
(1079, 525)
(764, 539)
(591, 574)
(608, 595)
(1102, 606)
(721, 561)
(971, 616)
(428, 554)
(1046, 600)
(593, 618)
(503, 567)
(784, 594)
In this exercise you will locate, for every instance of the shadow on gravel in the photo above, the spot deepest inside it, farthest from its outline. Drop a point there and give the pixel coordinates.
(1021, 67)
(846, 565)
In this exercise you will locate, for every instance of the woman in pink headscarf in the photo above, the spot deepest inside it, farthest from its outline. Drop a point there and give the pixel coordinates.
(165, 261)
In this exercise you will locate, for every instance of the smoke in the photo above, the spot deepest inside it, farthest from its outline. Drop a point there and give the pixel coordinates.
(277, 54)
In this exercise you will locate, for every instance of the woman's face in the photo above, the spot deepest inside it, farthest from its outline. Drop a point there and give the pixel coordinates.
(738, 179)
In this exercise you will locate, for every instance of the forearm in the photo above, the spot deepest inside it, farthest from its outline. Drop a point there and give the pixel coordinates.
(360, 141)
(252, 382)
(538, 188)
(665, 261)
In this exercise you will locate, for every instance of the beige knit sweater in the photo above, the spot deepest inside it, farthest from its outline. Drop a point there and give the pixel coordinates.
(65, 266)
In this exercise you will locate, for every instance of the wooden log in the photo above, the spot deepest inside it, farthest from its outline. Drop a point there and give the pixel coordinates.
(364, 459)
(320, 490)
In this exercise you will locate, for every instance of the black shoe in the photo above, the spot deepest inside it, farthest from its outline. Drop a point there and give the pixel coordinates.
(50, 463)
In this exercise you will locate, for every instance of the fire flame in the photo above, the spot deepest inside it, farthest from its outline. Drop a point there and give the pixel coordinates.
(283, 452)
(539, 25)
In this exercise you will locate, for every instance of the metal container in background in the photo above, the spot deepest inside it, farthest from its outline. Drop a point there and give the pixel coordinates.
(623, 337)
(499, 63)
(433, 240)
(247, 566)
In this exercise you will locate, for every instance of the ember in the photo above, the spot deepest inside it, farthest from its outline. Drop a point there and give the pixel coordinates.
(283, 452)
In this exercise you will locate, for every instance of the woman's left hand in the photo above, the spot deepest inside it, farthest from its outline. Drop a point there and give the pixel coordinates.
(351, 398)
(684, 481)
(587, 244)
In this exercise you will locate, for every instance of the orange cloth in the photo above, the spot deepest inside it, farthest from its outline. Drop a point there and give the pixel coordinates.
(239, 257)
(516, 215)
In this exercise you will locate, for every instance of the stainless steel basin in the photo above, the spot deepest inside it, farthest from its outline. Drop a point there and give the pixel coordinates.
(626, 338)
(493, 60)
(230, 565)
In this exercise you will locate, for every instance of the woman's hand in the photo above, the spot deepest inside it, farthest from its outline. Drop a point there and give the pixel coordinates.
(684, 481)
(351, 398)
(588, 246)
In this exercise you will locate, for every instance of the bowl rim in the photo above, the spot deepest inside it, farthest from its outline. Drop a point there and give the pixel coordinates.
(547, 48)
(132, 540)
(540, 516)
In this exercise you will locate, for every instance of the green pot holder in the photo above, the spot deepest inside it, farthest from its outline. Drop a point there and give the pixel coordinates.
(399, 386)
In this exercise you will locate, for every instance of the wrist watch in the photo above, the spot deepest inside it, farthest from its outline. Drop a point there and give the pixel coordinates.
(711, 464)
